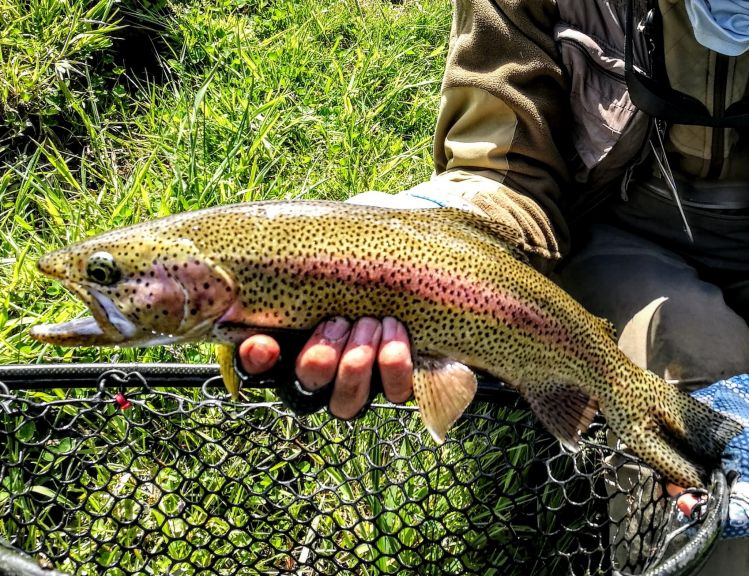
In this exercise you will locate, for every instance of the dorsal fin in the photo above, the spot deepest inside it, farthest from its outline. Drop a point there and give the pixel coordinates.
(636, 348)
(608, 327)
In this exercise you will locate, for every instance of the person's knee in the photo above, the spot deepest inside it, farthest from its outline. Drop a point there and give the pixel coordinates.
(668, 320)
(695, 338)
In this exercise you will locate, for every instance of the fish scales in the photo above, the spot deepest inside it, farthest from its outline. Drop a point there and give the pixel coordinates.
(224, 273)
(303, 284)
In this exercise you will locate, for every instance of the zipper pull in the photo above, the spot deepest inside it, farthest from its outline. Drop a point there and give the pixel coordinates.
(626, 179)
(647, 27)
(665, 168)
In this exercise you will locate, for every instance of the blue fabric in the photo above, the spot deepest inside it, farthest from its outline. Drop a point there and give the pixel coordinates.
(411, 199)
(720, 25)
(731, 397)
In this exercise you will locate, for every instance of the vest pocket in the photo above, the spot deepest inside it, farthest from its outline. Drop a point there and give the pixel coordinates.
(601, 108)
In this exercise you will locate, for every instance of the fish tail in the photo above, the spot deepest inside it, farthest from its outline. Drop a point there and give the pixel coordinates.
(704, 430)
(681, 437)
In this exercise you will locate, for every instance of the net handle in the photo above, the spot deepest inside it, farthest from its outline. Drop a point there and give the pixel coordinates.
(13, 562)
(165, 375)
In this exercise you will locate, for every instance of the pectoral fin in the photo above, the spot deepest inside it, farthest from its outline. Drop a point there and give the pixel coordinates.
(225, 359)
(563, 409)
(443, 389)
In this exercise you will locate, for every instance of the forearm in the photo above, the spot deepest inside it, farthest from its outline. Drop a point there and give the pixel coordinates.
(501, 127)
(480, 191)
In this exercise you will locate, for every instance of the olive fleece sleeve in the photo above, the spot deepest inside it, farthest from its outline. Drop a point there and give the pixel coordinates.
(503, 118)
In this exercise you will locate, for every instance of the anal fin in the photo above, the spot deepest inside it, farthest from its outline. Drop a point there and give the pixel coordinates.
(564, 409)
(443, 390)
(225, 359)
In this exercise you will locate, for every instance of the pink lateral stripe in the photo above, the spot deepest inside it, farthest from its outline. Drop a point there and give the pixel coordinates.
(437, 286)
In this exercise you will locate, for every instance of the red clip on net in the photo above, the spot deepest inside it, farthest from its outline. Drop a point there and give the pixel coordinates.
(122, 402)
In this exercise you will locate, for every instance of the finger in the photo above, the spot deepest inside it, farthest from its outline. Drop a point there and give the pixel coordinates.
(258, 353)
(673, 489)
(317, 362)
(354, 376)
(686, 502)
(394, 359)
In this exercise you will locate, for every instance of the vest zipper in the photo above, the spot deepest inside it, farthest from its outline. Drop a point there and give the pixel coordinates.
(719, 107)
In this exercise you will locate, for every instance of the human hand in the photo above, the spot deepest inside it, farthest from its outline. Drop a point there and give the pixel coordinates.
(345, 355)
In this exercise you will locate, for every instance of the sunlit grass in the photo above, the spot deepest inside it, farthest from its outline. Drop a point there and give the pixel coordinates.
(45, 45)
(257, 100)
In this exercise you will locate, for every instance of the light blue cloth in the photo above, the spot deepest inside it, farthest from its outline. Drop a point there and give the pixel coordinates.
(720, 25)
(731, 397)
(411, 199)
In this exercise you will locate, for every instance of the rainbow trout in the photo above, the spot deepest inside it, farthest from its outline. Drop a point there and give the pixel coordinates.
(466, 296)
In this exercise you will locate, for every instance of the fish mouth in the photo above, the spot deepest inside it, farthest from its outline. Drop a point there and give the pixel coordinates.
(106, 325)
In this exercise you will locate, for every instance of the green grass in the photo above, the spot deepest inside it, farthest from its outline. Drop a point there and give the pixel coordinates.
(253, 100)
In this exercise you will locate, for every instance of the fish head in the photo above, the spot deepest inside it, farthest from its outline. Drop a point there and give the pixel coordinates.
(141, 290)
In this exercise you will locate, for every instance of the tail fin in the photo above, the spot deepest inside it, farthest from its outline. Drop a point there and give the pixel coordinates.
(704, 431)
(681, 437)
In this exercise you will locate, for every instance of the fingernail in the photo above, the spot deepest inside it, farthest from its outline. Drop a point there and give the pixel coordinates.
(365, 331)
(335, 329)
(686, 503)
(259, 356)
(389, 328)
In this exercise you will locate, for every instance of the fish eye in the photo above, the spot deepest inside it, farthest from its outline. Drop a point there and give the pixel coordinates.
(102, 269)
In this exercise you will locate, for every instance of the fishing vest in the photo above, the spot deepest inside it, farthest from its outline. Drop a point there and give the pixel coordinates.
(609, 131)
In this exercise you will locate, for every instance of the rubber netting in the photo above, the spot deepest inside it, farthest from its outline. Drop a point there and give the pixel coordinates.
(183, 482)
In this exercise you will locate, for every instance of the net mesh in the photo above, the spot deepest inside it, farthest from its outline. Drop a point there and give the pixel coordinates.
(183, 482)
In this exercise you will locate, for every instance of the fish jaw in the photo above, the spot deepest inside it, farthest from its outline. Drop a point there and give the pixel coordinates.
(79, 332)
(106, 326)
